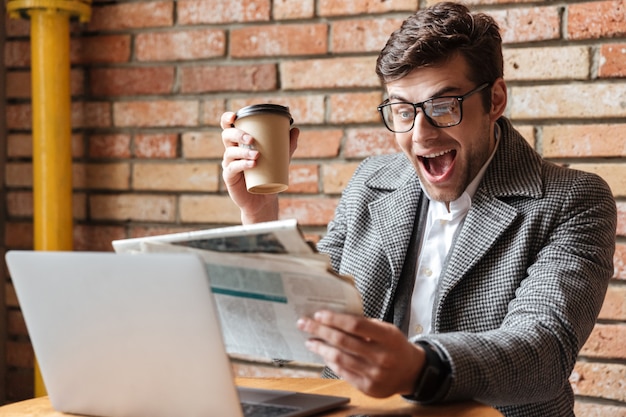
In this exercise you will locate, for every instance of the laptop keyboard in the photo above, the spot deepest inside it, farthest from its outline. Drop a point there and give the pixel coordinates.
(266, 410)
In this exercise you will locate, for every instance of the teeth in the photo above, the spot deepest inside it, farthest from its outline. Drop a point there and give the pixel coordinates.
(434, 155)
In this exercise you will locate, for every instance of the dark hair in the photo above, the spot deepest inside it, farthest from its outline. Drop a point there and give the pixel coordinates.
(435, 34)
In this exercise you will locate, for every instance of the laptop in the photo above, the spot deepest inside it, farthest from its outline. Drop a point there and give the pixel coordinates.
(131, 335)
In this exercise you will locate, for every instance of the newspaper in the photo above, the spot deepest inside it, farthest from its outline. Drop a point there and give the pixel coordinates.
(280, 236)
(261, 293)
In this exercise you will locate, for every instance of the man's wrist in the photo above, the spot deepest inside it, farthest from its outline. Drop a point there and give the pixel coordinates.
(434, 379)
(267, 213)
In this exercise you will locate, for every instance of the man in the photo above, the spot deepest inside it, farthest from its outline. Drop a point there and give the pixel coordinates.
(482, 267)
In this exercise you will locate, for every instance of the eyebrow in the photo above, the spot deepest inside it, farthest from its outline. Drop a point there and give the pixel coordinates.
(439, 93)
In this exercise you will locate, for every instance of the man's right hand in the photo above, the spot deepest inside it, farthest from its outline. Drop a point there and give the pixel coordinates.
(254, 208)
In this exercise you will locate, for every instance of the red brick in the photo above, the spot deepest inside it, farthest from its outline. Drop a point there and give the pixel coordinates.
(318, 143)
(101, 176)
(203, 79)
(17, 27)
(212, 111)
(15, 322)
(619, 261)
(303, 179)
(612, 61)
(181, 45)
(599, 380)
(358, 7)
(193, 12)
(614, 306)
(308, 211)
(606, 341)
(131, 15)
(11, 296)
(621, 218)
(560, 101)
(197, 145)
(547, 63)
(585, 140)
(19, 203)
(109, 146)
(77, 82)
(293, 9)
(19, 146)
(590, 409)
(79, 206)
(17, 54)
(133, 207)
(141, 231)
(367, 35)
(131, 81)
(18, 116)
(196, 176)
(19, 354)
(361, 143)
(96, 237)
(91, 114)
(336, 176)
(156, 145)
(19, 384)
(276, 40)
(355, 107)
(597, 19)
(159, 113)
(528, 24)
(212, 209)
(329, 73)
(18, 174)
(18, 84)
(18, 235)
(100, 49)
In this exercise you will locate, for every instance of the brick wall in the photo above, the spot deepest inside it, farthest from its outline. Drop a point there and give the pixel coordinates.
(151, 78)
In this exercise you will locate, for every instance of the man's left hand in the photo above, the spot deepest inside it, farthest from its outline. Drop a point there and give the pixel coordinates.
(371, 355)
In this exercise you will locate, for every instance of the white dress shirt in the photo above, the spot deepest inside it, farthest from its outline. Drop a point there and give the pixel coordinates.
(441, 226)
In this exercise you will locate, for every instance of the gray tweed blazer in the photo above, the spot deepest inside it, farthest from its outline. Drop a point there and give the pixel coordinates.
(522, 285)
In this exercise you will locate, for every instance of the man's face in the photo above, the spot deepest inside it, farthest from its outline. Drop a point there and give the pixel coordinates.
(446, 159)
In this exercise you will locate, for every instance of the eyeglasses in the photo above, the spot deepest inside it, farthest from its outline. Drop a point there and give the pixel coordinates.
(447, 111)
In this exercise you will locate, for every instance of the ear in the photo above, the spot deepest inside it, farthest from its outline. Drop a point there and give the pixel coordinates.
(498, 99)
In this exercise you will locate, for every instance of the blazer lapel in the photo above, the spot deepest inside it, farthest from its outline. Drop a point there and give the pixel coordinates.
(484, 224)
(394, 214)
(514, 171)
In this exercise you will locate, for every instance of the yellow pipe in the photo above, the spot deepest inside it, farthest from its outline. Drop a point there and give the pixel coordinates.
(52, 158)
(51, 109)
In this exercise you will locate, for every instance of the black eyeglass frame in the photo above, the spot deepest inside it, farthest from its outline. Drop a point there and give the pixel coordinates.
(420, 105)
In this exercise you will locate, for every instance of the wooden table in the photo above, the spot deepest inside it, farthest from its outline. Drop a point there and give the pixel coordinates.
(360, 404)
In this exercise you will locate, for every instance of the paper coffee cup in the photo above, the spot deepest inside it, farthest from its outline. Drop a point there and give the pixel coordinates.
(269, 125)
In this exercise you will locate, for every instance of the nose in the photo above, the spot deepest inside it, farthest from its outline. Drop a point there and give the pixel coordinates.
(422, 129)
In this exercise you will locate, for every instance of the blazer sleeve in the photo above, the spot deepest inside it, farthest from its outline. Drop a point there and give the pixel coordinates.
(529, 357)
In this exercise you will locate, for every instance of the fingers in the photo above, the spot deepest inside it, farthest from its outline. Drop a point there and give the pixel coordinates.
(365, 328)
(372, 355)
(227, 120)
(294, 133)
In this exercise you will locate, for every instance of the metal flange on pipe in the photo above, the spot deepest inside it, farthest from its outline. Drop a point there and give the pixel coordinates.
(78, 8)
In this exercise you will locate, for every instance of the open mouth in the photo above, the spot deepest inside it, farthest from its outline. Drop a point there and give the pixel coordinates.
(438, 164)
